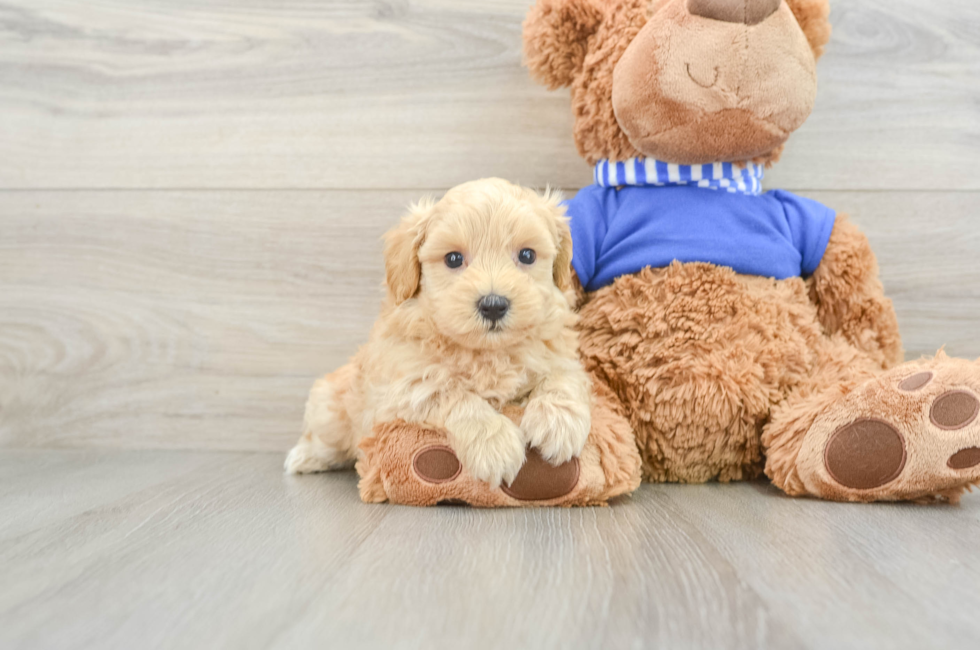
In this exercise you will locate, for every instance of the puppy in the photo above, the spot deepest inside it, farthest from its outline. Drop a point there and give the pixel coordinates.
(476, 317)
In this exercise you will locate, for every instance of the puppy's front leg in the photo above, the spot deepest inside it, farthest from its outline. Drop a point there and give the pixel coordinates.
(488, 444)
(558, 416)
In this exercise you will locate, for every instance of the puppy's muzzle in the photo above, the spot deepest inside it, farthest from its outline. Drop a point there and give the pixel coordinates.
(493, 307)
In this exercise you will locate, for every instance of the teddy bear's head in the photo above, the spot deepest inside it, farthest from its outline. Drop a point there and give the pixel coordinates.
(683, 81)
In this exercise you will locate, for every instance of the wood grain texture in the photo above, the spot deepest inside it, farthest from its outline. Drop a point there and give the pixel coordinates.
(425, 94)
(175, 319)
(198, 320)
(231, 553)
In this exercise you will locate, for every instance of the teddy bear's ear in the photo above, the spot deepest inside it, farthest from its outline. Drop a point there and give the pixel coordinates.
(814, 17)
(556, 34)
(403, 270)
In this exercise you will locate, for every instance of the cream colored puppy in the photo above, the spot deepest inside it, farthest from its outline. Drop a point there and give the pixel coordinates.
(476, 316)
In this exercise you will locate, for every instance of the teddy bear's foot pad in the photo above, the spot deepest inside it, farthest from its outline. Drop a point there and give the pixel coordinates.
(436, 464)
(911, 434)
(865, 454)
(411, 464)
(538, 480)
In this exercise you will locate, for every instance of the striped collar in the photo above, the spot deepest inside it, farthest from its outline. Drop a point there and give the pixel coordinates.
(731, 177)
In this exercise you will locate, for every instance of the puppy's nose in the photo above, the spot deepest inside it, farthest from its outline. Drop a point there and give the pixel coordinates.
(493, 307)
(748, 12)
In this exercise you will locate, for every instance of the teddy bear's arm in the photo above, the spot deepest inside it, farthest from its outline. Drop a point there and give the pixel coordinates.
(850, 298)
(556, 34)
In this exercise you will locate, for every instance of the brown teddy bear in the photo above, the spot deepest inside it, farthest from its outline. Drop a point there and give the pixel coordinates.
(741, 332)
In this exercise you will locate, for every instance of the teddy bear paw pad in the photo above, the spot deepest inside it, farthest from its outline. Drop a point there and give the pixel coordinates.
(911, 434)
(539, 480)
(437, 464)
(865, 454)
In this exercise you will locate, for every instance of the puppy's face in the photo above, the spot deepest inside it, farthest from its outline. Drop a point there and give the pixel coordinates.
(487, 264)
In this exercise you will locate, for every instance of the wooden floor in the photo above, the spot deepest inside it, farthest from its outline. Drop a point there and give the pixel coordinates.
(219, 549)
(191, 196)
(152, 549)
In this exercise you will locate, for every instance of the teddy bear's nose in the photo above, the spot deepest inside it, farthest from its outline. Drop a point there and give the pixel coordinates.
(749, 12)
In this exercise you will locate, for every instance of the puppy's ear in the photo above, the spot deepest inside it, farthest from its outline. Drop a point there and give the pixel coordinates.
(403, 271)
(563, 241)
(563, 261)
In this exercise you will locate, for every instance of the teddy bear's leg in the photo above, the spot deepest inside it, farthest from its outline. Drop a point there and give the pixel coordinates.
(861, 434)
(697, 355)
(411, 464)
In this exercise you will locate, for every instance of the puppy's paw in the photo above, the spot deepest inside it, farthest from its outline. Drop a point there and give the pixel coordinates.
(556, 427)
(311, 455)
(491, 450)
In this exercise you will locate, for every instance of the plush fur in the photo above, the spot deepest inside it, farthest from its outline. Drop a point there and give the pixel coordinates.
(435, 364)
(723, 376)
(580, 43)
(609, 465)
(695, 91)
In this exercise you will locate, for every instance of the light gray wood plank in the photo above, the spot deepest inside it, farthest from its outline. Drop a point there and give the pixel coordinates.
(200, 319)
(194, 562)
(897, 105)
(224, 306)
(234, 554)
(345, 93)
(601, 578)
(38, 490)
(358, 94)
(923, 558)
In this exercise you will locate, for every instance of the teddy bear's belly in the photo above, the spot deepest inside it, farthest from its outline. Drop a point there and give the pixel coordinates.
(698, 354)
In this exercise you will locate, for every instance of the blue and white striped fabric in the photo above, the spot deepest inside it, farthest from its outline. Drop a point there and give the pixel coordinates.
(729, 177)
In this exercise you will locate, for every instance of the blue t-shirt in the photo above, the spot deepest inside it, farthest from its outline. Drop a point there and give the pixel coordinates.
(619, 232)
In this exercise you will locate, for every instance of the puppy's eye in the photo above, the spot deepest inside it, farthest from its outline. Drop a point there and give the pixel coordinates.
(454, 260)
(526, 256)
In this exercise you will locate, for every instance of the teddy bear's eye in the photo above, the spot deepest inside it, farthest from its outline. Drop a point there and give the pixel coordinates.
(526, 256)
(454, 260)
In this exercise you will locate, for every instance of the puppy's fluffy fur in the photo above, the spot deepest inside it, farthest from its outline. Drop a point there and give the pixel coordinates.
(433, 359)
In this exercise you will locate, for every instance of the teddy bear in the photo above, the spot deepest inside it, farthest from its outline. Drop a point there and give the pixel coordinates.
(740, 332)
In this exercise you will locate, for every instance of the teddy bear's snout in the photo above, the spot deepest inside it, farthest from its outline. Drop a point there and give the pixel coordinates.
(749, 12)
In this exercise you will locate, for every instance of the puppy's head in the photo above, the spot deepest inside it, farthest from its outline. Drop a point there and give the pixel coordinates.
(487, 265)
